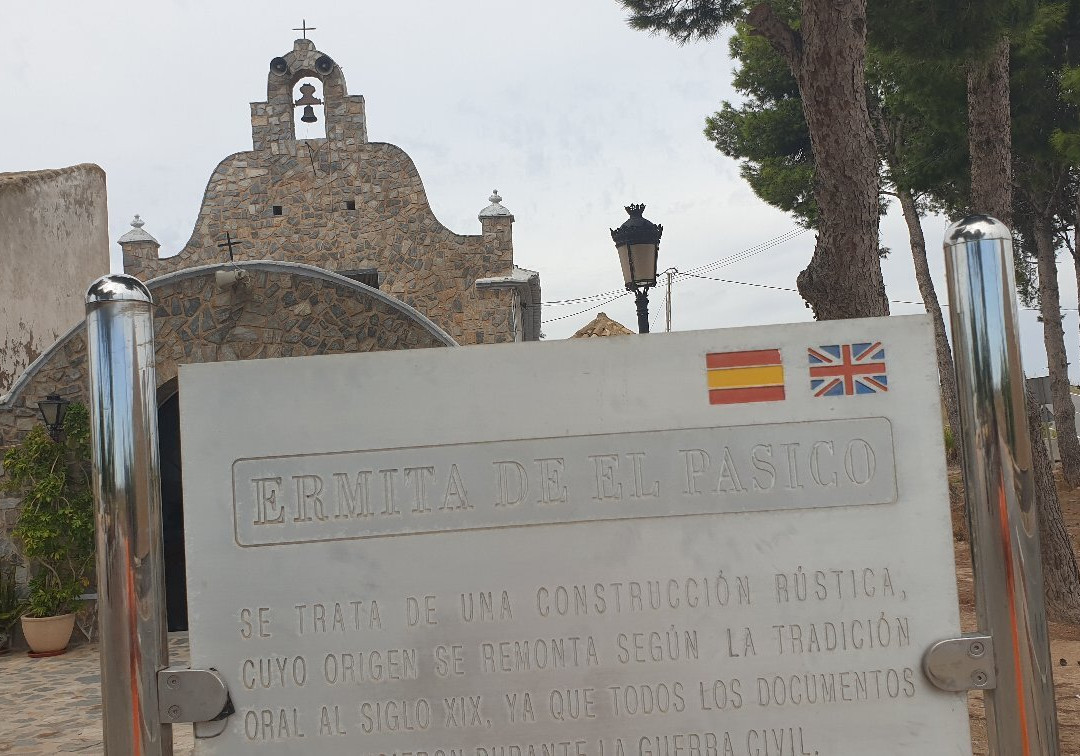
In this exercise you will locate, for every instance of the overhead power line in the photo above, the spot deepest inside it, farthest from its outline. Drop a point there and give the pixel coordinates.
(578, 300)
(722, 262)
(587, 309)
(659, 309)
(786, 289)
(750, 252)
(778, 288)
(696, 273)
(741, 283)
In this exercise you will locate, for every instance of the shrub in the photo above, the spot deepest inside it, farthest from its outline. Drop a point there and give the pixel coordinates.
(55, 529)
(11, 604)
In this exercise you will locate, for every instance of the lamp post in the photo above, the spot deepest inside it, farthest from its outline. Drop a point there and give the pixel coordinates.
(638, 243)
(53, 408)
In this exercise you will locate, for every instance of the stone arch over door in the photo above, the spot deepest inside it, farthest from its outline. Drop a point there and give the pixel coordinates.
(280, 310)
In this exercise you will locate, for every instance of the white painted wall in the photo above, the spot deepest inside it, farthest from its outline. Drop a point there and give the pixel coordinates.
(53, 244)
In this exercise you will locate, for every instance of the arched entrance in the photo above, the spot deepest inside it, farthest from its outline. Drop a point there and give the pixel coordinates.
(172, 507)
(282, 310)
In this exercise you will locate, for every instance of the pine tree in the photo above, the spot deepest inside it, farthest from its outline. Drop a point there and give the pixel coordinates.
(916, 142)
(823, 45)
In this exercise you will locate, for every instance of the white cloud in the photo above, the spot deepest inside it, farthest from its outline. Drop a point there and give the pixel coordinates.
(568, 112)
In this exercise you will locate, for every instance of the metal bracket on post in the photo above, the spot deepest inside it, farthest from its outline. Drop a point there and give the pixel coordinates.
(194, 695)
(961, 664)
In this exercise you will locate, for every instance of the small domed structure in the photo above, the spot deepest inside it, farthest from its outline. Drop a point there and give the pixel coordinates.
(495, 209)
(138, 244)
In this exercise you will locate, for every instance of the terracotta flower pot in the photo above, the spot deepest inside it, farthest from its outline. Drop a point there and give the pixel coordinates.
(48, 635)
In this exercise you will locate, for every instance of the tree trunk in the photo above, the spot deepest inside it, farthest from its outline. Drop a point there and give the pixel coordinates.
(1061, 578)
(1076, 243)
(990, 145)
(990, 134)
(827, 56)
(1054, 338)
(946, 370)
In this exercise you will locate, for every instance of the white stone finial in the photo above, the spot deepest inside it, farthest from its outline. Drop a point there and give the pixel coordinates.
(136, 234)
(495, 209)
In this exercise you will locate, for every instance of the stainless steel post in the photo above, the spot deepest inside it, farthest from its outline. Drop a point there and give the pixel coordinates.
(999, 480)
(131, 583)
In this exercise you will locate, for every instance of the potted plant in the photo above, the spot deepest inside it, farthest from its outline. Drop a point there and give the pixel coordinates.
(55, 528)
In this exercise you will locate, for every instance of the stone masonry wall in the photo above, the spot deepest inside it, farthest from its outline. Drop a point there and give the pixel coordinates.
(276, 314)
(314, 183)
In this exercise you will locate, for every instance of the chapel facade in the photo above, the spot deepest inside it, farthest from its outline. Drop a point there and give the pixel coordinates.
(353, 207)
(301, 247)
(308, 246)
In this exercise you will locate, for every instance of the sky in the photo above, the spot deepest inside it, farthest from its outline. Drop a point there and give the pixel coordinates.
(559, 105)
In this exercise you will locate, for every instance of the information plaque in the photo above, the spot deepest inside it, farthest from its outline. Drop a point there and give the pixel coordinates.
(712, 543)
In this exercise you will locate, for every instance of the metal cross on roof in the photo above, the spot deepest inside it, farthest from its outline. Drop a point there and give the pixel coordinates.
(304, 28)
(228, 243)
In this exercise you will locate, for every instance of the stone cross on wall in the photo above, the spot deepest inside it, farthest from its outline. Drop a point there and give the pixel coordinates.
(227, 243)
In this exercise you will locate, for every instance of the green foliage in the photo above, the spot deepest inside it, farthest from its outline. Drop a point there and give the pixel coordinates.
(944, 30)
(55, 530)
(952, 451)
(1039, 105)
(50, 598)
(1046, 146)
(767, 132)
(684, 20)
(1066, 139)
(919, 56)
(920, 110)
(11, 605)
(774, 147)
(918, 107)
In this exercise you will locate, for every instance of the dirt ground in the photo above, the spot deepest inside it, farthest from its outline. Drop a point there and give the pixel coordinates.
(1064, 638)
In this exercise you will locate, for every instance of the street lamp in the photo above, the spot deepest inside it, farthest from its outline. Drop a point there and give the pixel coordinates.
(638, 243)
(52, 409)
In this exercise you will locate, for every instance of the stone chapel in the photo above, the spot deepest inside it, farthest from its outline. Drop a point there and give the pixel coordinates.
(301, 247)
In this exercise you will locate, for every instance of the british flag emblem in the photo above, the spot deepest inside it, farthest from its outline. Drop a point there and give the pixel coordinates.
(848, 369)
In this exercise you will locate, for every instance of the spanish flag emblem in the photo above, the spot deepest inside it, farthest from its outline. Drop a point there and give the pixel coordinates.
(740, 377)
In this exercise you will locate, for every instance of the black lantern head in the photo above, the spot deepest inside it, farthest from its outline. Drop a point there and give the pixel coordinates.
(52, 409)
(638, 242)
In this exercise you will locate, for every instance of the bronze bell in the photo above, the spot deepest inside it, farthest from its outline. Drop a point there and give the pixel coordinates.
(308, 100)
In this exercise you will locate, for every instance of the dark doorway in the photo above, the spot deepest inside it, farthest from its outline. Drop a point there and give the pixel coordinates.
(172, 513)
